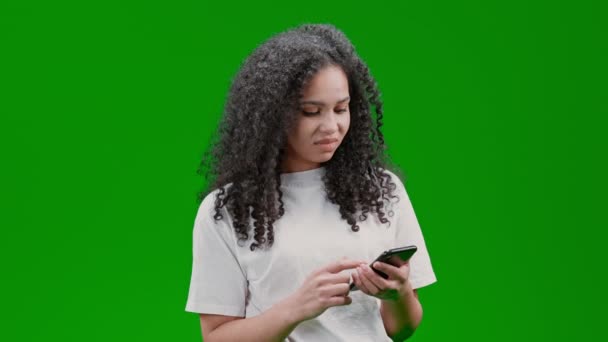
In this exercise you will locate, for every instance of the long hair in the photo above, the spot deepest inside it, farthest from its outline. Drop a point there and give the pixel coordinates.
(244, 160)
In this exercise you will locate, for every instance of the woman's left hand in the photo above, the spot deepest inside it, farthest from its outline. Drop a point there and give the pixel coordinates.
(373, 284)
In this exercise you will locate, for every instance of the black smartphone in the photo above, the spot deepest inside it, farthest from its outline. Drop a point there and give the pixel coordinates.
(403, 253)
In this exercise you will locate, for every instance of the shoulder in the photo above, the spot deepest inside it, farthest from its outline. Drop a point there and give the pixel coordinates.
(400, 196)
(211, 196)
(396, 179)
(207, 207)
(211, 229)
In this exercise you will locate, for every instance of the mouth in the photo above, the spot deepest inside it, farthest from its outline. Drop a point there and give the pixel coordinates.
(326, 141)
(328, 146)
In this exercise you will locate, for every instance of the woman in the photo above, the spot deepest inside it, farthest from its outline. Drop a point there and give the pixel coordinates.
(302, 202)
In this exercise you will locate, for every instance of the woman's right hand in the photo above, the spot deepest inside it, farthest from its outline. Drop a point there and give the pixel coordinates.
(322, 289)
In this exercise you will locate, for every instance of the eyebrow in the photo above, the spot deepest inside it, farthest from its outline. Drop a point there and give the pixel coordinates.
(319, 103)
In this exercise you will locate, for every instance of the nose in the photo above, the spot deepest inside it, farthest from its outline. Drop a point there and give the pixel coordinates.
(329, 124)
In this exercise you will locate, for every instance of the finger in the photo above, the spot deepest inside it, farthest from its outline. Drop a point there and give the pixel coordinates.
(339, 300)
(366, 283)
(342, 277)
(340, 265)
(357, 283)
(333, 278)
(375, 278)
(335, 290)
(393, 272)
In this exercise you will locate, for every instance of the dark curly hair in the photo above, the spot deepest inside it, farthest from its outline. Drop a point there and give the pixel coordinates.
(244, 159)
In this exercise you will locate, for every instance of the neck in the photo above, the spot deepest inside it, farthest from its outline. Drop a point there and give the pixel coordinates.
(298, 166)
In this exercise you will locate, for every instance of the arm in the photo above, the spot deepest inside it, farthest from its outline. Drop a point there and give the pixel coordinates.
(402, 317)
(322, 289)
(400, 308)
(275, 324)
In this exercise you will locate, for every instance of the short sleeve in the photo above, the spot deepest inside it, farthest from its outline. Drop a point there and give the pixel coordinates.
(407, 233)
(218, 284)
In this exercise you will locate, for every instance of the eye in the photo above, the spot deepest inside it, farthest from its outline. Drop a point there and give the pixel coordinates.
(311, 113)
(342, 110)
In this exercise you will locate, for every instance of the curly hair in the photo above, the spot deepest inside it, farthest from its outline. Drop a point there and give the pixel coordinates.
(244, 159)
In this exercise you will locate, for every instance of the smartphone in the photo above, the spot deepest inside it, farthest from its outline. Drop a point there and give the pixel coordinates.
(403, 253)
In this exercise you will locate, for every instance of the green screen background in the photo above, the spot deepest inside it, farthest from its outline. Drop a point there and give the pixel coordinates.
(494, 111)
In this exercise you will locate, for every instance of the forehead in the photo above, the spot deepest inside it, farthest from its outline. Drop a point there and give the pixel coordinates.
(328, 85)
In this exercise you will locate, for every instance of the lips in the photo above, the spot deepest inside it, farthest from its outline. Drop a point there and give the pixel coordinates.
(326, 141)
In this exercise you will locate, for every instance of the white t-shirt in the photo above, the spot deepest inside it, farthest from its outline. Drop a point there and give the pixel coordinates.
(229, 279)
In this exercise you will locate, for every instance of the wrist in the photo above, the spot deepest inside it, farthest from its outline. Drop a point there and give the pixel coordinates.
(288, 311)
(407, 290)
(404, 294)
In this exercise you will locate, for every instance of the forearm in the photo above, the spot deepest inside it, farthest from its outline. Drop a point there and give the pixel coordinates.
(275, 324)
(401, 317)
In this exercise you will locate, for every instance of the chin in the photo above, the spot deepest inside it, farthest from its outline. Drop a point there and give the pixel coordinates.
(324, 158)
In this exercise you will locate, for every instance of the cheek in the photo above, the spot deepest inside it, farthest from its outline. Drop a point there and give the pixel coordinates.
(305, 131)
(300, 137)
(345, 123)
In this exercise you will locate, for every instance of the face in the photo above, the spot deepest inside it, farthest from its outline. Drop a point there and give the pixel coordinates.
(323, 120)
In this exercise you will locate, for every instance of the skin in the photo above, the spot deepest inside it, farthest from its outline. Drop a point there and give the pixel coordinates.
(400, 307)
(324, 114)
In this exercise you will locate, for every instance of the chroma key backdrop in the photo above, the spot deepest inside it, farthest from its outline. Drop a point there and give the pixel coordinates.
(494, 111)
